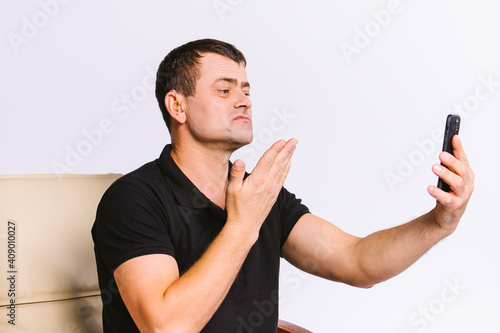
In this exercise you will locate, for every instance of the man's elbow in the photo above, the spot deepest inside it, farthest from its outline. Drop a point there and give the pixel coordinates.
(166, 323)
(365, 286)
(361, 284)
(361, 280)
(167, 327)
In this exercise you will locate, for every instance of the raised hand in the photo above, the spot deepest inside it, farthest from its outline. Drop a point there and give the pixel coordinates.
(451, 205)
(249, 201)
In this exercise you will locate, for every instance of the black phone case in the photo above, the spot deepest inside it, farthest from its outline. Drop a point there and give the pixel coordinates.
(451, 129)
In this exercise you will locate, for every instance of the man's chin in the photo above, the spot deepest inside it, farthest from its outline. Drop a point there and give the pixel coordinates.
(242, 142)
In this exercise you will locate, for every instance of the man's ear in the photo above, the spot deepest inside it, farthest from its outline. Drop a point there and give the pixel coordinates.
(174, 104)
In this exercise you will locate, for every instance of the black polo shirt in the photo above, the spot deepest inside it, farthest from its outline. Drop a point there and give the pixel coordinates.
(156, 209)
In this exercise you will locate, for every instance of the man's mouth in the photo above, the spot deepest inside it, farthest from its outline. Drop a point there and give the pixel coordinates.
(242, 118)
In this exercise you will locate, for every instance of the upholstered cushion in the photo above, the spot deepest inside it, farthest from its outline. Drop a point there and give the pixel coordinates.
(54, 259)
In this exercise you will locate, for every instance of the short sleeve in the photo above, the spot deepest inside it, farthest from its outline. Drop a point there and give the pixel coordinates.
(129, 224)
(291, 210)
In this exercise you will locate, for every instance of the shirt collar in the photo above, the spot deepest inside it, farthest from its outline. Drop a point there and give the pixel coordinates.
(185, 192)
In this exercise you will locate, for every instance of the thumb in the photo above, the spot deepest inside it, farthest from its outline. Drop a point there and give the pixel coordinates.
(237, 172)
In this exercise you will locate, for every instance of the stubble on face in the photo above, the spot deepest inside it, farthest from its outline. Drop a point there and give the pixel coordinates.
(220, 112)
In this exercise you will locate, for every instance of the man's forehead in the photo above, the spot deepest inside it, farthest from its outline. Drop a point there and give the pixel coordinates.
(215, 66)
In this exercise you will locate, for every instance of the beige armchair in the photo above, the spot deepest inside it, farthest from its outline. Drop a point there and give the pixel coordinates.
(55, 277)
(47, 257)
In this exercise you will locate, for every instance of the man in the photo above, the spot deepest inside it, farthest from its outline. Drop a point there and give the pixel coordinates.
(194, 244)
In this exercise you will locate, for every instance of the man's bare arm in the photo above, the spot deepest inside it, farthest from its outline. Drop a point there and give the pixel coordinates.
(161, 301)
(321, 248)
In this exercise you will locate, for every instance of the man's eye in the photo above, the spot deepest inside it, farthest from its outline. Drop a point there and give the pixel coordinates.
(224, 91)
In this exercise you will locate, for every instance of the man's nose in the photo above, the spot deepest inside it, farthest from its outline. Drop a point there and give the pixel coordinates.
(243, 100)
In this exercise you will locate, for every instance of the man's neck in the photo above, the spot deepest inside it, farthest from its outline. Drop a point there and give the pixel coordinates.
(205, 166)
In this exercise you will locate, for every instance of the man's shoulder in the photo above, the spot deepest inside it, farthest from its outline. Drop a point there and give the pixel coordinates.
(144, 179)
(132, 193)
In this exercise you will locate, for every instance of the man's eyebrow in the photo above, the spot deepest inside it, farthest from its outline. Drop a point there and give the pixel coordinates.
(233, 81)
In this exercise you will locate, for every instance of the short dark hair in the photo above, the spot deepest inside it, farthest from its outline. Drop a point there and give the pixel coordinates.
(180, 68)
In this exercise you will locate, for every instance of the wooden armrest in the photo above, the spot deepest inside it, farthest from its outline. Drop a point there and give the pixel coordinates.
(286, 327)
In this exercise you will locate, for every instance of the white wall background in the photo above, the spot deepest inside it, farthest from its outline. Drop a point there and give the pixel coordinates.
(71, 67)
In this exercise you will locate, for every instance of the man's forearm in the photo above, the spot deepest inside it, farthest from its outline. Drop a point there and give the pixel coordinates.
(387, 253)
(163, 301)
(193, 298)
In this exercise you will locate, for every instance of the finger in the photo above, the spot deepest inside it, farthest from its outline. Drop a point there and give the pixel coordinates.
(454, 164)
(237, 174)
(285, 174)
(441, 196)
(285, 171)
(458, 149)
(460, 155)
(281, 161)
(455, 181)
(267, 160)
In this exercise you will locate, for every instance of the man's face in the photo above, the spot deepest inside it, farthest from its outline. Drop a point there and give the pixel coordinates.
(220, 111)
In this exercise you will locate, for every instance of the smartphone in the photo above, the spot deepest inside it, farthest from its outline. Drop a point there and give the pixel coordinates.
(451, 129)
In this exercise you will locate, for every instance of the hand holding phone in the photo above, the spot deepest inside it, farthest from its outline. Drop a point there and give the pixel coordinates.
(451, 129)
